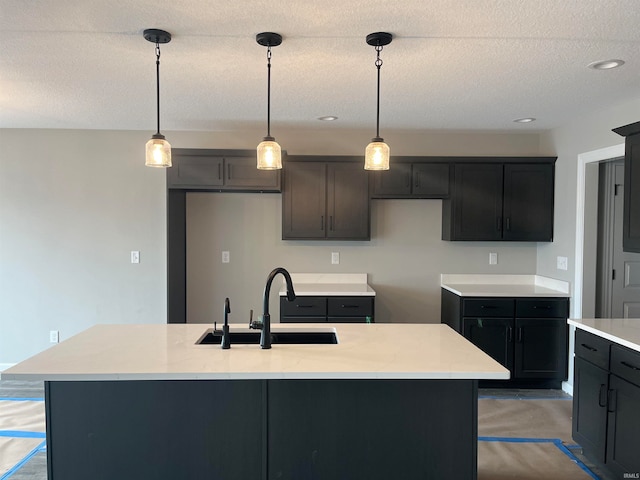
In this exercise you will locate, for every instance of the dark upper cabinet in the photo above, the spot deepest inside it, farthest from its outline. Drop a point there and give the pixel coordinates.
(631, 210)
(411, 180)
(500, 201)
(325, 200)
(201, 169)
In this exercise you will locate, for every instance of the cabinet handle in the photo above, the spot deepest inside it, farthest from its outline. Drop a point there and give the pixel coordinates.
(417, 179)
(304, 306)
(349, 306)
(322, 222)
(542, 307)
(602, 396)
(229, 173)
(508, 223)
(591, 349)
(408, 180)
(331, 222)
(509, 334)
(499, 224)
(488, 307)
(519, 339)
(611, 401)
(219, 171)
(628, 365)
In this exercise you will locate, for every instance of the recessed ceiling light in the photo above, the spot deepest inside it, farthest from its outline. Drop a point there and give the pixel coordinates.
(328, 118)
(606, 64)
(525, 120)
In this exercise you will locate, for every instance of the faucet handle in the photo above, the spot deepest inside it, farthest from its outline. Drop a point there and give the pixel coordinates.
(255, 324)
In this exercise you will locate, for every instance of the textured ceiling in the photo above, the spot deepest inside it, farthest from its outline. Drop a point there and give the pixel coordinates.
(455, 65)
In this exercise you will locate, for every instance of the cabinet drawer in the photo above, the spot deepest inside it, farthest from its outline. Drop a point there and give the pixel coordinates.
(350, 306)
(539, 308)
(592, 348)
(304, 306)
(299, 319)
(487, 307)
(625, 363)
(347, 319)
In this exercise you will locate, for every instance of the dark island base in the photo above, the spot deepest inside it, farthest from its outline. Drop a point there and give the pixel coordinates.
(262, 429)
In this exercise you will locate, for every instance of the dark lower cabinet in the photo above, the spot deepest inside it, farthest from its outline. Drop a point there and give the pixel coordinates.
(529, 336)
(493, 336)
(606, 404)
(312, 309)
(370, 429)
(262, 429)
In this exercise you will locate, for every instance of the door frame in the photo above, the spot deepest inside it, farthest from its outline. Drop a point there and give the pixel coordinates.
(602, 154)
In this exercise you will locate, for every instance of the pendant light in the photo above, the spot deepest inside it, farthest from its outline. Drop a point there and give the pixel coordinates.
(376, 155)
(158, 150)
(269, 152)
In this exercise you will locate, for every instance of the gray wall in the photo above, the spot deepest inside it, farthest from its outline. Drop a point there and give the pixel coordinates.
(73, 204)
(404, 258)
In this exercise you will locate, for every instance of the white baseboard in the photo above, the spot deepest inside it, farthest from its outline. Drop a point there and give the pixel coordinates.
(568, 388)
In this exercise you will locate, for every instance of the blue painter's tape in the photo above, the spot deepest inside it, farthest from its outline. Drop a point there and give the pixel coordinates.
(555, 441)
(22, 462)
(16, 399)
(21, 434)
(575, 459)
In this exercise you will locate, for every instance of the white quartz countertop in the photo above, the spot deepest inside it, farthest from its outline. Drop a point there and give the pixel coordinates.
(164, 352)
(330, 285)
(504, 286)
(623, 331)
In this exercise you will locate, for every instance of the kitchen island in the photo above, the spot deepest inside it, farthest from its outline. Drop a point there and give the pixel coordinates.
(144, 401)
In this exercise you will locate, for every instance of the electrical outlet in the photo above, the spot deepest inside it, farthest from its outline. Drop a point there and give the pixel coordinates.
(135, 256)
(54, 336)
(562, 263)
(225, 257)
(335, 258)
(493, 258)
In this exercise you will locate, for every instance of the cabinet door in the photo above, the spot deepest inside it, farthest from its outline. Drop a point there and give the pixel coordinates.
(241, 173)
(393, 182)
(528, 202)
(623, 427)
(477, 202)
(541, 348)
(347, 202)
(304, 201)
(494, 336)
(589, 423)
(431, 180)
(195, 171)
(631, 223)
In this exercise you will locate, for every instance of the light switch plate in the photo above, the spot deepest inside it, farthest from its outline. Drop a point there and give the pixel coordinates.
(493, 258)
(135, 256)
(563, 263)
(226, 257)
(335, 258)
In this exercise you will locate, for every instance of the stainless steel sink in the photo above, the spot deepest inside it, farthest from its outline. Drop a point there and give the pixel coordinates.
(323, 336)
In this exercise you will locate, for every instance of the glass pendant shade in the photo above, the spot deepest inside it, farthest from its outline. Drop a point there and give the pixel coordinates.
(269, 154)
(158, 152)
(376, 156)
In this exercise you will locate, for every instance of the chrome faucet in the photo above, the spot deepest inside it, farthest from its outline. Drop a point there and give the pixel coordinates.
(226, 340)
(265, 323)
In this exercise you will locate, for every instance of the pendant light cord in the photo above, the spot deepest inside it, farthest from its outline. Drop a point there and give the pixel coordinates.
(269, 91)
(378, 65)
(158, 85)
